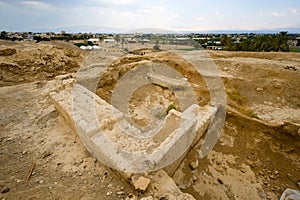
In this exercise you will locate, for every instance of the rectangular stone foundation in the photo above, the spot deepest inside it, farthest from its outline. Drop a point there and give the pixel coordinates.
(62, 100)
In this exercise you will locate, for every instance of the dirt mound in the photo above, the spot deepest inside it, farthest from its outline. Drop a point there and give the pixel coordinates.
(23, 63)
(261, 85)
(130, 61)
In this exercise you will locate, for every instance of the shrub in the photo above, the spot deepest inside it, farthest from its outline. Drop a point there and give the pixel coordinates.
(252, 114)
(156, 47)
(170, 107)
(237, 97)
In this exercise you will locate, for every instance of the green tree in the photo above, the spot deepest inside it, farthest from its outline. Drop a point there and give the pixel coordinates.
(281, 42)
(223, 41)
(156, 46)
(245, 45)
(117, 38)
(122, 42)
(278, 42)
(3, 35)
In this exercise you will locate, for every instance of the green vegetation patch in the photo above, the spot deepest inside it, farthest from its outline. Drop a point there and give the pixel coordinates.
(170, 107)
(252, 114)
(295, 50)
(237, 97)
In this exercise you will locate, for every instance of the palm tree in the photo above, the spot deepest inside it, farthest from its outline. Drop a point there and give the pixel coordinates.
(281, 42)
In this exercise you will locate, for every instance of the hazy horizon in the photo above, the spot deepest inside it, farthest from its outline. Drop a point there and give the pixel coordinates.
(126, 15)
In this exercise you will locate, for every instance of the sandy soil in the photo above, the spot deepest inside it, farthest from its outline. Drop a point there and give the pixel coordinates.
(257, 156)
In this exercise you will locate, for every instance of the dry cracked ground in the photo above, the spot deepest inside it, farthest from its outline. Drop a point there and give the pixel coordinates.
(256, 157)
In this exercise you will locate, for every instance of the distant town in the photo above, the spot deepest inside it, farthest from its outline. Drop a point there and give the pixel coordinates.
(282, 41)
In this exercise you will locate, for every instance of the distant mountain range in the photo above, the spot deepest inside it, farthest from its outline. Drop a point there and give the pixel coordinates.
(95, 29)
(261, 31)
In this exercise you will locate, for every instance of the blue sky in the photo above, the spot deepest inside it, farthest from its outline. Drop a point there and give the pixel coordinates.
(188, 15)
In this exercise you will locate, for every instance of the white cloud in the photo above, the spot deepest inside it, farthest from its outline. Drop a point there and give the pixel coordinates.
(200, 18)
(150, 10)
(145, 10)
(136, 14)
(36, 4)
(142, 17)
(277, 14)
(294, 11)
(122, 2)
(105, 3)
(272, 13)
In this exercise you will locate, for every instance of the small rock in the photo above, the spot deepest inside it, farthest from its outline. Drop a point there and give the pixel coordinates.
(163, 197)
(127, 175)
(141, 183)
(261, 173)
(271, 176)
(158, 89)
(290, 68)
(119, 193)
(5, 189)
(244, 170)
(79, 174)
(277, 86)
(147, 198)
(276, 172)
(225, 69)
(194, 165)
(194, 178)
(298, 183)
(259, 89)
(24, 152)
(40, 181)
(262, 194)
(108, 193)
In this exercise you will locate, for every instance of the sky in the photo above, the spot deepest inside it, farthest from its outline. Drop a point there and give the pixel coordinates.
(127, 15)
